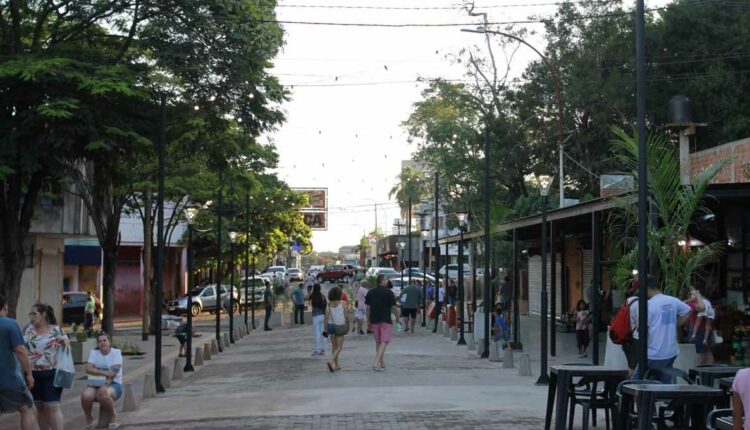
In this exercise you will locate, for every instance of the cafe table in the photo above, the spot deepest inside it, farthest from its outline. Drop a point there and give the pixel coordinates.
(560, 382)
(707, 375)
(699, 399)
(726, 383)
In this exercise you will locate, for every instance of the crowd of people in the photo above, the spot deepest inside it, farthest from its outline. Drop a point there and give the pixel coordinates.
(31, 365)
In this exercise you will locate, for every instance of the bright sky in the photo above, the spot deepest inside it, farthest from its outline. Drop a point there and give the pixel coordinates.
(353, 86)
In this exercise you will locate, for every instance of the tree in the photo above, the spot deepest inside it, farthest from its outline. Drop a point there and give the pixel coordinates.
(676, 206)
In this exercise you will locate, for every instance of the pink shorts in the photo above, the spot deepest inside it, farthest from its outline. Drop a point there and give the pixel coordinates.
(382, 332)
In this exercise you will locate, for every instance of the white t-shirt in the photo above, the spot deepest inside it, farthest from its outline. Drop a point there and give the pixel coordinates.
(709, 311)
(663, 311)
(107, 362)
(633, 315)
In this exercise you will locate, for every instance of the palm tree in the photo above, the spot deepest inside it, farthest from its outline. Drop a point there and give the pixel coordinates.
(411, 186)
(676, 206)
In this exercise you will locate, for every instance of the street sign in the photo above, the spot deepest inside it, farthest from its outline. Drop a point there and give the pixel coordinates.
(315, 210)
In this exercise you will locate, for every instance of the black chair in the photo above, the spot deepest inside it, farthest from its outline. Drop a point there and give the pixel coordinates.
(714, 415)
(591, 397)
(631, 414)
(673, 373)
(713, 365)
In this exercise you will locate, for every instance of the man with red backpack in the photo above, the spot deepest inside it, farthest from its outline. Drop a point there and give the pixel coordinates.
(628, 343)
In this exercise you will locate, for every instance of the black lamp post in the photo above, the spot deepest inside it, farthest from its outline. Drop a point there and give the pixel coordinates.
(436, 220)
(191, 212)
(232, 241)
(401, 246)
(218, 261)
(462, 218)
(247, 255)
(544, 183)
(253, 249)
(425, 232)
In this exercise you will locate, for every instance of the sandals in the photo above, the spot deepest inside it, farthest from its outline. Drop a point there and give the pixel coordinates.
(90, 426)
(330, 367)
(113, 426)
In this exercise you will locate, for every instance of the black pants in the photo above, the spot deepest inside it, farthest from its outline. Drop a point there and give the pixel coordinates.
(88, 322)
(299, 310)
(269, 311)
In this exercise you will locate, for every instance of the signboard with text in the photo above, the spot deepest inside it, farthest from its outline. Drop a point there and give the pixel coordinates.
(315, 211)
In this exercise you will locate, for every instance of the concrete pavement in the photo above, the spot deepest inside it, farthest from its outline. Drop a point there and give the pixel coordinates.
(270, 380)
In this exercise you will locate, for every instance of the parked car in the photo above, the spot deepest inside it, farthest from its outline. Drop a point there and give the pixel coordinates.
(246, 301)
(387, 272)
(278, 270)
(453, 270)
(203, 298)
(295, 274)
(335, 272)
(72, 308)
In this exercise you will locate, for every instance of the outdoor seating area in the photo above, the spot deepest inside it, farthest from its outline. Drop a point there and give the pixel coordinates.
(698, 398)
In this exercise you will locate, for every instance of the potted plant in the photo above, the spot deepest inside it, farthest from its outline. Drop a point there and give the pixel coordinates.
(80, 346)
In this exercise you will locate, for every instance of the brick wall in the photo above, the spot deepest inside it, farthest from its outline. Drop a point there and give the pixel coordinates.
(736, 153)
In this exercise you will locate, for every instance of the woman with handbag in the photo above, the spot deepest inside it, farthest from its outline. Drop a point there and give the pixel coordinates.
(337, 326)
(45, 340)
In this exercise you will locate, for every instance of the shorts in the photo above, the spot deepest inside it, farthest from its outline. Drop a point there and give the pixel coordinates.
(11, 400)
(630, 348)
(360, 314)
(382, 332)
(409, 313)
(117, 388)
(44, 390)
(182, 338)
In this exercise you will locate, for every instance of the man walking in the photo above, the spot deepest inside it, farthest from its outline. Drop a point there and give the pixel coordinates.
(665, 313)
(299, 304)
(380, 300)
(88, 313)
(14, 384)
(268, 300)
(411, 297)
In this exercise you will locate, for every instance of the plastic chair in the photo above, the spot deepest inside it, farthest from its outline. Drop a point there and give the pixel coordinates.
(715, 415)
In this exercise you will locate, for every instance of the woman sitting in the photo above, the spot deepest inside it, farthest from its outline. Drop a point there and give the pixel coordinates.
(104, 368)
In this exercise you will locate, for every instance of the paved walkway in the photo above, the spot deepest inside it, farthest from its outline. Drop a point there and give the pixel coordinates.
(269, 380)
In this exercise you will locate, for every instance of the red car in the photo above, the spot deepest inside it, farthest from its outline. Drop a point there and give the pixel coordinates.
(336, 272)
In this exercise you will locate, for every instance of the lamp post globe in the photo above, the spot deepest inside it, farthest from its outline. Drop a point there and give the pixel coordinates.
(190, 213)
(425, 233)
(401, 246)
(233, 235)
(545, 181)
(462, 218)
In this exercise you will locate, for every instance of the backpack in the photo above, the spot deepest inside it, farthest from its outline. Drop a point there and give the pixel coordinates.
(619, 329)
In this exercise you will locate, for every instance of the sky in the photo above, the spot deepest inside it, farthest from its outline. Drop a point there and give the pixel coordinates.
(352, 87)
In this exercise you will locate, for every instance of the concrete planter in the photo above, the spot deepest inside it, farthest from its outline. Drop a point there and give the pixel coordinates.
(686, 359)
(275, 320)
(81, 350)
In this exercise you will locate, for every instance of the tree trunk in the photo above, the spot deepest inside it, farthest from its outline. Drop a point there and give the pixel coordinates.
(108, 285)
(148, 235)
(17, 198)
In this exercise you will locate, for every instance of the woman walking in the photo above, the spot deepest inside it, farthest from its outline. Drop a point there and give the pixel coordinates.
(104, 368)
(44, 339)
(361, 312)
(582, 328)
(337, 326)
(318, 304)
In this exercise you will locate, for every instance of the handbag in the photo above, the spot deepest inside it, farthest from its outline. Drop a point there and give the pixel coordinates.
(65, 372)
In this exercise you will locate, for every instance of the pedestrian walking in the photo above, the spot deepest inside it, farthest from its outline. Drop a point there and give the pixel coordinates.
(337, 326)
(15, 383)
(630, 347)
(104, 383)
(582, 328)
(318, 303)
(410, 298)
(380, 301)
(741, 400)
(665, 315)
(298, 297)
(44, 340)
(702, 319)
(89, 308)
(268, 301)
(361, 312)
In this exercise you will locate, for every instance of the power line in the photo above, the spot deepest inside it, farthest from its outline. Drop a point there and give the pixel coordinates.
(451, 24)
(421, 8)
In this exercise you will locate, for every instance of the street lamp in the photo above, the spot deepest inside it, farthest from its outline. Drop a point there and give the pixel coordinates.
(233, 240)
(253, 249)
(425, 232)
(544, 184)
(462, 218)
(401, 246)
(247, 254)
(190, 212)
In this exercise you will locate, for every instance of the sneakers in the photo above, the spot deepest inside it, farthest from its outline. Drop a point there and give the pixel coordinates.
(361, 332)
(378, 369)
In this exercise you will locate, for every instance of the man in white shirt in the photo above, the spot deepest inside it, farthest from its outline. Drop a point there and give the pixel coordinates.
(665, 313)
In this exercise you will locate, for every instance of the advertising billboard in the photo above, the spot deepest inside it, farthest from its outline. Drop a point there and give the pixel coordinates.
(315, 212)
